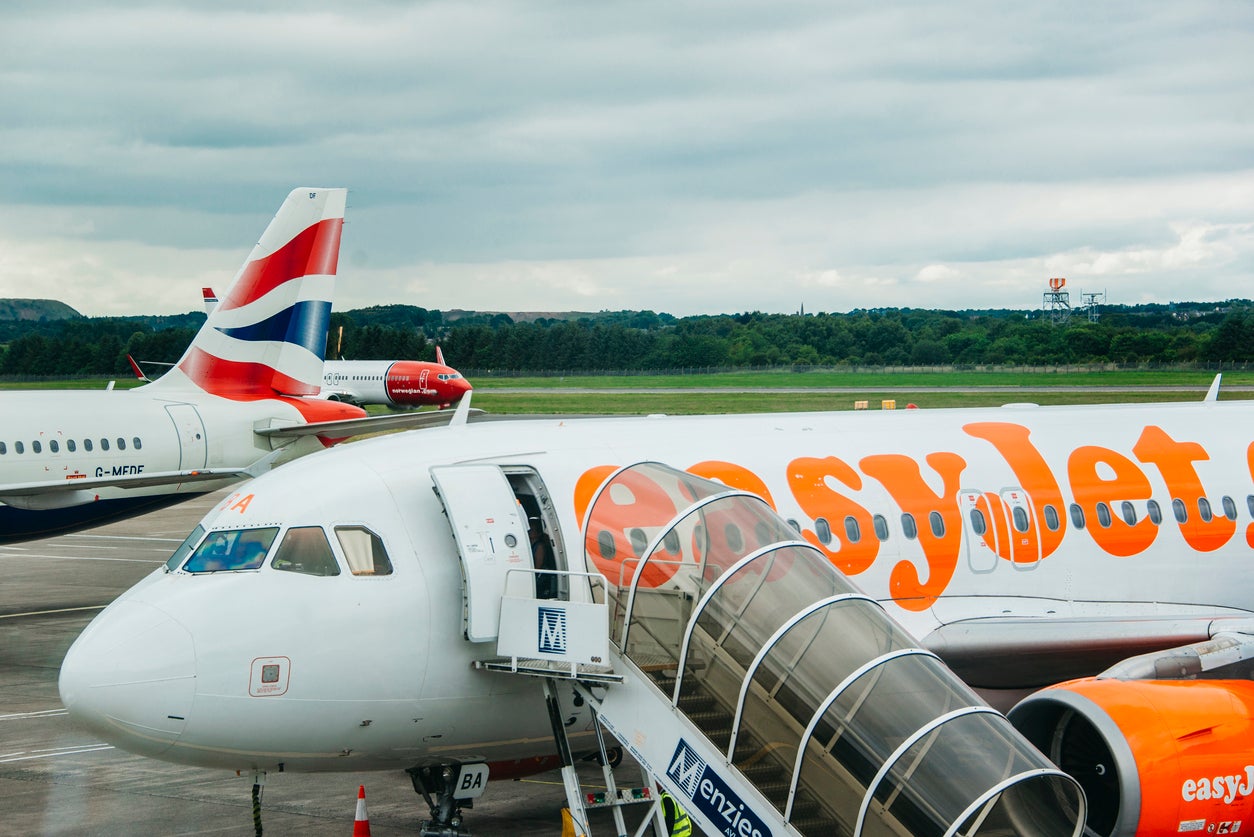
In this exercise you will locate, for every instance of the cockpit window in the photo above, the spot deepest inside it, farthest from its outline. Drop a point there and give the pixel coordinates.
(364, 551)
(184, 549)
(305, 550)
(236, 549)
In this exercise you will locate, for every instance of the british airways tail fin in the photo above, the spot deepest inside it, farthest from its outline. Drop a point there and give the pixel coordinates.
(267, 335)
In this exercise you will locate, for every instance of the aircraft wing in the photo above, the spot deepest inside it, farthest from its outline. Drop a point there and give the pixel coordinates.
(373, 424)
(145, 480)
(1018, 652)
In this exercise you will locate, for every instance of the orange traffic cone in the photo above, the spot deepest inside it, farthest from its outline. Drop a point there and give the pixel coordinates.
(361, 823)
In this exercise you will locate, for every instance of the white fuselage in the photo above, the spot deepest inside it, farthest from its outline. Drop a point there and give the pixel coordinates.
(376, 673)
(78, 437)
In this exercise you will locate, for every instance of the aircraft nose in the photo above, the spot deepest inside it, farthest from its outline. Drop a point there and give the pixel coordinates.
(130, 678)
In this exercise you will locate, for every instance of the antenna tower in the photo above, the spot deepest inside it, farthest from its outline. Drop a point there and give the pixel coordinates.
(1093, 303)
(1057, 302)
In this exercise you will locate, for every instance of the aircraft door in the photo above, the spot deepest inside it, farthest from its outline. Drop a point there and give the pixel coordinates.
(193, 451)
(491, 537)
(1025, 535)
(980, 529)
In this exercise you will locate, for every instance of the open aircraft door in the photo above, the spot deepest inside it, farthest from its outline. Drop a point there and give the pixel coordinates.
(491, 537)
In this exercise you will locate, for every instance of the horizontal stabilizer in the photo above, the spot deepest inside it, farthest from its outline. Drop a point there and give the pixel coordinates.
(356, 427)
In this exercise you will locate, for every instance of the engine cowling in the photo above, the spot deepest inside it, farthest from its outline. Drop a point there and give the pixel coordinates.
(1153, 756)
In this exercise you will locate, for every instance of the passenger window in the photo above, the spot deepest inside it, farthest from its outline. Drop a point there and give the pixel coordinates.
(1203, 509)
(364, 551)
(19, 447)
(137, 444)
(1249, 498)
(881, 527)
(1129, 512)
(1077, 516)
(671, 542)
(104, 444)
(605, 543)
(796, 527)
(761, 532)
(1020, 517)
(908, 526)
(4, 450)
(54, 447)
(735, 541)
(978, 524)
(852, 530)
(184, 549)
(121, 443)
(305, 550)
(71, 445)
(1178, 509)
(87, 445)
(1051, 518)
(937, 523)
(1154, 512)
(36, 447)
(639, 541)
(823, 530)
(236, 549)
(1103, 515)
(1230, 508)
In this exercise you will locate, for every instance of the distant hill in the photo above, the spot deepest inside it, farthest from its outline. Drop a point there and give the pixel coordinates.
(36, 310)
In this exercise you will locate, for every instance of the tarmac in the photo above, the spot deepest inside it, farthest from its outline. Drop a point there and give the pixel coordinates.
(56, 779)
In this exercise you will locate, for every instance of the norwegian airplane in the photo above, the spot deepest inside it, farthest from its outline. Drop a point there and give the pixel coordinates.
(784, 618)
(236, 403)
(393, 383)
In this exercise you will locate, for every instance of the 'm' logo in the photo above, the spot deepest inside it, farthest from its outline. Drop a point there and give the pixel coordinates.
(686, 769)
(712, 795)
(552, 629)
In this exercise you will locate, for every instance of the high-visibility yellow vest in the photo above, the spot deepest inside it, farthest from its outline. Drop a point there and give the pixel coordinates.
(677, 820)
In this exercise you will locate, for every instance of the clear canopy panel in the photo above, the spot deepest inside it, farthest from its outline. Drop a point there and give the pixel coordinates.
(815, 695)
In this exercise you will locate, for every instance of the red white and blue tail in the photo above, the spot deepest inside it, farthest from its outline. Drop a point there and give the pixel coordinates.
(267, 335)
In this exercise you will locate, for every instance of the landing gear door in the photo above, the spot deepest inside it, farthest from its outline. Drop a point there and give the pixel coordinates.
(491, 539)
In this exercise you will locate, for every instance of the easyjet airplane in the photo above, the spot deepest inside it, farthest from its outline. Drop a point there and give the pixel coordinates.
(235, 404)
(393, 383)
(1091, 558)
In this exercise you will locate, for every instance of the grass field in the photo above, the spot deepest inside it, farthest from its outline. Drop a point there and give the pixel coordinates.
(869, 379)
(762, 391)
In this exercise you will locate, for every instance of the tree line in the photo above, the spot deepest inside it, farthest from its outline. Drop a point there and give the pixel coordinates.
(1180, 333)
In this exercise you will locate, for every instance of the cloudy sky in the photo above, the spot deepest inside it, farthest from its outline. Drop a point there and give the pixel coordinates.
(688, 157)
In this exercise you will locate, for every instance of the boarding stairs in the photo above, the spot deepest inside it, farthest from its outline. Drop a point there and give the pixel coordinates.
(758, 687)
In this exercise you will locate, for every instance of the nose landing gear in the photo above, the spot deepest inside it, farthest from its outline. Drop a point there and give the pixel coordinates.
(452, 786)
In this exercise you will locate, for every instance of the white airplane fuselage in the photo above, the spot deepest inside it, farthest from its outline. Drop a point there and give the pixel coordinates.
(88, 437)
(373, 672)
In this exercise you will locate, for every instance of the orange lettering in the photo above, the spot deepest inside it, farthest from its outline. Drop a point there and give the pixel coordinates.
(733, 476)
(991, 504)
(808, 478)
(1090, 488)
(628, 514)
(586, 486)
(241, 505)
(1174, 461)
(1249, 462)
(903, 479)
(1034, 476)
